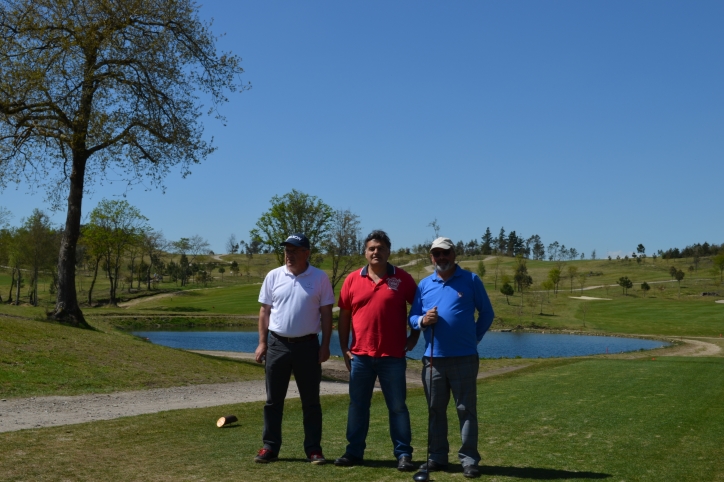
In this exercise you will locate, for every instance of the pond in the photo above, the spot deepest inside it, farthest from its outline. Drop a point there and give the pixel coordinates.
(494, 344)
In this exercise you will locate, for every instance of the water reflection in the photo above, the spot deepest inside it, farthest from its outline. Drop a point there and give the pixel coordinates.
(494, 345)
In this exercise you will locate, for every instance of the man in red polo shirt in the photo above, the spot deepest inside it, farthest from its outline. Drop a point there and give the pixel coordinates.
(373, 304)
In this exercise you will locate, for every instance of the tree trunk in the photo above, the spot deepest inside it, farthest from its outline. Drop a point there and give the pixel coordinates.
(66, 306)
(17, 288)
(95, 275)
(35, 287)
(12, 285)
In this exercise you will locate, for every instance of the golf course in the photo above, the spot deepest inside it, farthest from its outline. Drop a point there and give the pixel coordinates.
(655, 415)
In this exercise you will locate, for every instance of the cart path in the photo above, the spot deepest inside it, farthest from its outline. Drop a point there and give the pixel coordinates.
(37, 412)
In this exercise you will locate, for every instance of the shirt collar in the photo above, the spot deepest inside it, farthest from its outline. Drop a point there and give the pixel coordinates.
(390, 270)
(303, 273)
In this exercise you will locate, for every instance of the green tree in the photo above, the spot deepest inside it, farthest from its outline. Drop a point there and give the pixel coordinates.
(719, 264)
(38, 242)
(100, 89)
(672, 272)
(679, 276)
(548, 285)
(481, 269)
(114, 226)
(625, 284)
(521, 277)
(294, 212)
(343, 244)
(645, 288)
(507, 290)
(487, 238)
(555, 276)
(641, 250)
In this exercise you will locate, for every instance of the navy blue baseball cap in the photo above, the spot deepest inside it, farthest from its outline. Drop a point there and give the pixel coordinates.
(297, 239)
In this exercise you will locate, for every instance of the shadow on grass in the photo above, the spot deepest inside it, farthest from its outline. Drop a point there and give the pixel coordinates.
(539, 474)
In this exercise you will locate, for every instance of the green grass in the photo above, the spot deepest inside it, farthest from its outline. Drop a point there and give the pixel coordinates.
(39, 358)
(584, 419)
(238, 299)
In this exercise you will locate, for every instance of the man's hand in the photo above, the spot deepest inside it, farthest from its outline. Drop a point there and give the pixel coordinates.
(260, 352)
(430, 317)
(348, 356)
(323, 354)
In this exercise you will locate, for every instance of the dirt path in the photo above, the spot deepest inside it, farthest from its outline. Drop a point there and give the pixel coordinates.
(36, 412)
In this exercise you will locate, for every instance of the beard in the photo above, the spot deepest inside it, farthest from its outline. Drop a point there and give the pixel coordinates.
(442, 267)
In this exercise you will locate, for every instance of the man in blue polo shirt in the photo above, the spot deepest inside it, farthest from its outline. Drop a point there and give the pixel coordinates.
(446, 301)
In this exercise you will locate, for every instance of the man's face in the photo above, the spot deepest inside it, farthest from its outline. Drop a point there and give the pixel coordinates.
(376, 253)
(295, 257)
(443, 259)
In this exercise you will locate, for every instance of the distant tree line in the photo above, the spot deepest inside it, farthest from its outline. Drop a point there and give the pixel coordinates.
(116, 242)
(693, 251)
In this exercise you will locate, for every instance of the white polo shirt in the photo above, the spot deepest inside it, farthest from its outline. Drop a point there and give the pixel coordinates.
(295, 300)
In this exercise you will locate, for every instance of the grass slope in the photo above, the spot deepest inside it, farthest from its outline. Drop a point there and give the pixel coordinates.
(590, 419)
(38, 358)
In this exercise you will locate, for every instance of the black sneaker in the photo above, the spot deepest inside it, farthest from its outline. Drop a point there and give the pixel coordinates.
(347, 460)
(471, 471)
(432, 466)
(405, 464)
(265, 456)
(316, 458)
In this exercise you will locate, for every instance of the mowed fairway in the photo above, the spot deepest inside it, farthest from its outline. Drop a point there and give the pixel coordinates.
(236, 299)
(659, 316)
(586, 419)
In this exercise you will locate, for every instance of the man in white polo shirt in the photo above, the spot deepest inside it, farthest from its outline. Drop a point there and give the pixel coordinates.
(296, 302)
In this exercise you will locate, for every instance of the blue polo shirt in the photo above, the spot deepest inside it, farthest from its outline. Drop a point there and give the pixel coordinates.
(457, 332)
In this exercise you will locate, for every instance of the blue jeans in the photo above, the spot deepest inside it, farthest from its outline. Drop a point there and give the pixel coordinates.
(391, 372)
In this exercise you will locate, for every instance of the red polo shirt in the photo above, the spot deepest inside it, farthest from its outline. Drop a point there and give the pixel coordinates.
(379, 311)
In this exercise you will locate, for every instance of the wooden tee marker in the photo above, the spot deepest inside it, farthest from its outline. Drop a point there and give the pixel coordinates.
(226, 420)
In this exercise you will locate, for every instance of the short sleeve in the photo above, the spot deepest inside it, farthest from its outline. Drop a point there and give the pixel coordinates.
(265, 294)
(344, 302)
(327, 293)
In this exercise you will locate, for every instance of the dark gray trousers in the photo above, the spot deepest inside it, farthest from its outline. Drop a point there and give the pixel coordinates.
(457, 375)
(282, 360)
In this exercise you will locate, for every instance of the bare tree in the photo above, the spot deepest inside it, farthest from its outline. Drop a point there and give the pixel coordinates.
(231, 245)
(197, 246)
(343, 244)
(572, 273)
(435, 227)
(154, 246)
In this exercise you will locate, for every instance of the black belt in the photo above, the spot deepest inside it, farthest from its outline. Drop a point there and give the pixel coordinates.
(293, 339)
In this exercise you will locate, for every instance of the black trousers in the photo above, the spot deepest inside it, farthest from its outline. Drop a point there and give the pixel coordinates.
(282, 360)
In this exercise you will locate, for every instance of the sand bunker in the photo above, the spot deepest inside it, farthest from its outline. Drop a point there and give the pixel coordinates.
(588, 298)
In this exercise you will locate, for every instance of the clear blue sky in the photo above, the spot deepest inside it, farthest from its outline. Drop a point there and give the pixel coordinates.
(598, 124)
